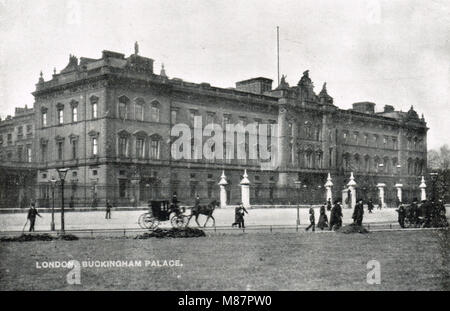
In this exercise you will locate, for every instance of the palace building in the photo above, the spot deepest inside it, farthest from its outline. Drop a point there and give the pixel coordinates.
(109, 120)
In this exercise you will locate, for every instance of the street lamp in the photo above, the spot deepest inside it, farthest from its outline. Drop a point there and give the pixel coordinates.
(298, 183)
(433, 176)
(52, 224)
(62, 176)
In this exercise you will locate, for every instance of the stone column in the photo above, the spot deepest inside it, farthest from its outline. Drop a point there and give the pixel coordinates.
(399, 191)
(381, 189)
(245, 190)
(351, 186)
(423, 186)
(328, 186)
(223, 192)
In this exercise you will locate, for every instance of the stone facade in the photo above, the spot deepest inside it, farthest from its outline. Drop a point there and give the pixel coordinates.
(109, 121)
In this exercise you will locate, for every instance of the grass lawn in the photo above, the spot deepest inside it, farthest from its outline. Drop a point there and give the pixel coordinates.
(414, 260)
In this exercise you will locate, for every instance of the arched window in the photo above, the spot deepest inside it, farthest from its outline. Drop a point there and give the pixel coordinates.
(357, 162)
(410, 166)
(139, 109)
(123, 107)
(376, 163)
(367, 163)
(123, 143)
(155, 147)
(319, 158)
(155, 111)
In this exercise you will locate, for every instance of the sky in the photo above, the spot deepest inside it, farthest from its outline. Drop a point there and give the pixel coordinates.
(388, 52)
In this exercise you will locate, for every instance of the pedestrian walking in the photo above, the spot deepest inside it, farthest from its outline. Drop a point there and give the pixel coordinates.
(401, 214)
(336, 215)
(32, 213)
(312, 220)
(108, 210)
(323, 218)
(239, 213)
(329, 205)
(370, 206)
(358, 213)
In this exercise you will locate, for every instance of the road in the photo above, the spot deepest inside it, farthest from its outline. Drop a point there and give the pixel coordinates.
(224, 218)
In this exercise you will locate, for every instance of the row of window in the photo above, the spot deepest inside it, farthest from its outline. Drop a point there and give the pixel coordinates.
(20, 134)
(60, 146)
(24, 154)
(61, 119)
(383, 165)
(375, 140)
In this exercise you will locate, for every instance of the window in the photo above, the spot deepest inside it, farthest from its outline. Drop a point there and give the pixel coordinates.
(139, 111)
(173, 115)
(29, 128)
(366, 139)
(367, 163)
(384, 142)
(1, 140)
(20, 131)
(74, 114)
(19, 153)
(375, 140)
(94, 106)
(155, 112)
(9, 138)
(192, 114)
(74, 149)
(155, 149)
(210, 118)
(140, 148)
(226, 120)
(122, 188)
(290, 129)
(123, 146)
(355, 137)
(344, 136)
(29, 158)
(123, 111)
(60, 147)
(44, 118)
(44, 152)
(394, 143)
(94, 146)
(60, 115)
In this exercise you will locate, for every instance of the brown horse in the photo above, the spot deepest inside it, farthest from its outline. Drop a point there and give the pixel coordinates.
(206, 210)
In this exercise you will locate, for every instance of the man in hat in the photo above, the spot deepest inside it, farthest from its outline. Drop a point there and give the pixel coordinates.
(401, 214)
(336, 215)
(358, 213)
(414, 212)
(370, 206)
(108, 210)
(312, 220)
(32, 213)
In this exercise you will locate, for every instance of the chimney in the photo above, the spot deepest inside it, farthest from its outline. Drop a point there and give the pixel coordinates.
(364, 107)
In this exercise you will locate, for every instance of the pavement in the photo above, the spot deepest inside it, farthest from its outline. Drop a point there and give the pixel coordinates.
(95, 220)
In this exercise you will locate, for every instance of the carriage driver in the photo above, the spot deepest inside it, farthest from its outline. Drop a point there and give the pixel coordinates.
(175, 202)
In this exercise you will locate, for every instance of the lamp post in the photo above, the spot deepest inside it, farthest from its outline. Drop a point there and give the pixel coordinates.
(52, 224)
(433, 176)
(399, 185)
(62, 176)
(298, 184)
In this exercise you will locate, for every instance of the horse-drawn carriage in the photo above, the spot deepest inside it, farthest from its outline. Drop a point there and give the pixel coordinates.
(160, 211)
(163, 210)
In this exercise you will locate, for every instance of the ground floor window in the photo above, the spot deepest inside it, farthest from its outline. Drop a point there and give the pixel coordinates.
(122, 188)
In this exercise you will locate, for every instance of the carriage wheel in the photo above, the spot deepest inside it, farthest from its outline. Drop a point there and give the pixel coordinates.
(146, 221)
(178, 221)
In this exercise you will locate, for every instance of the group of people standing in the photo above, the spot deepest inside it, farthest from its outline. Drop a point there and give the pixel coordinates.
(336, 215)
(429, 214)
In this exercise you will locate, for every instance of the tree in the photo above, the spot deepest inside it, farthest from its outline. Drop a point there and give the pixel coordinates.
(439, 159)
